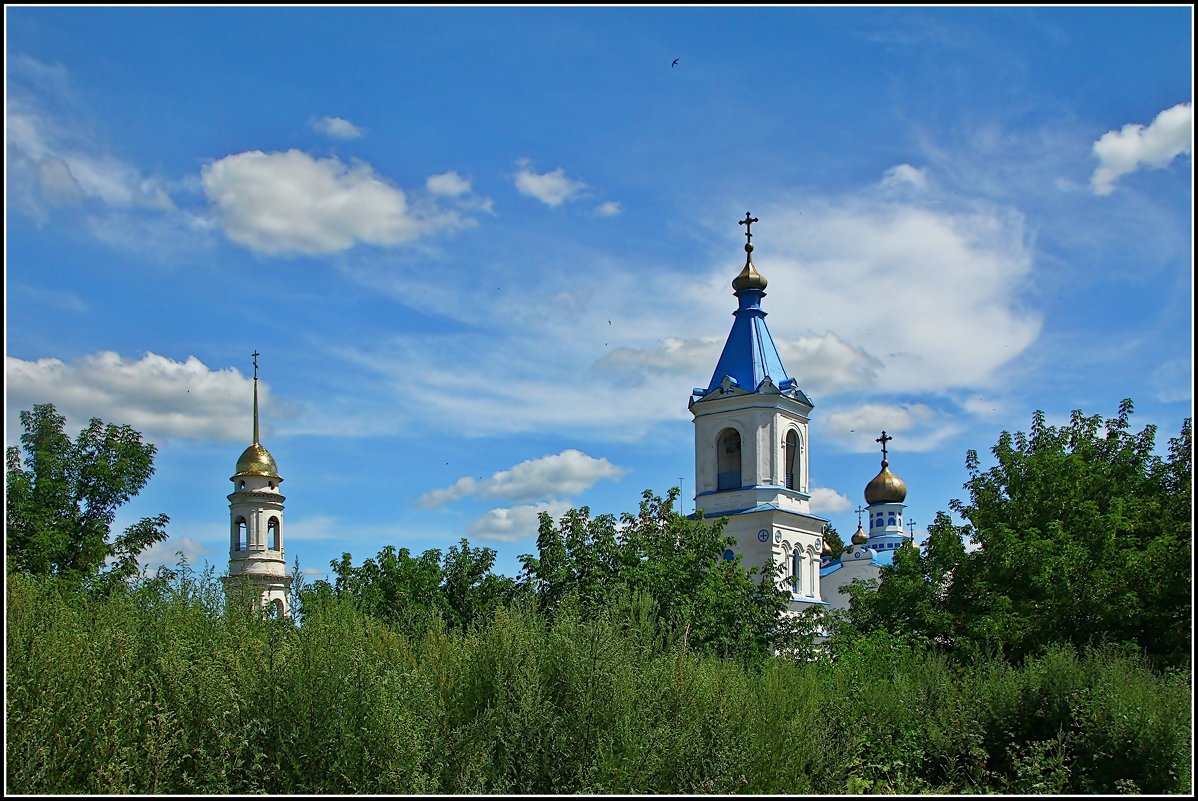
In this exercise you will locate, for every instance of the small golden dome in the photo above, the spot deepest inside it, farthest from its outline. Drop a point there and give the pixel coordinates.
(257, 461)
(749, 278)
(860, 537)
(885, 488)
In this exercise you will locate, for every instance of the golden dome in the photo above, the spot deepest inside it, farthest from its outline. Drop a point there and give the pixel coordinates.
(257, 461)
(749, 278)
(885, 488)
(860, 537)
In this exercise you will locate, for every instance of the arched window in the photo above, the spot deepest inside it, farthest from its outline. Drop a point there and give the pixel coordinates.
(241, 485)
(275, 608)
(796, 571)
(728, 460)
(813, 574)
(272, 531)
(239, 534)
(792, 460)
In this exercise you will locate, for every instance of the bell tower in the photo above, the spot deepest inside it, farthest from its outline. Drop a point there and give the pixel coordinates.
(256, 523)
(751, 454)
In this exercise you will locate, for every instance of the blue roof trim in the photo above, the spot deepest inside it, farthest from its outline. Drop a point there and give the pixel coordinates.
(830, 569)
(765, 507)
(805, 496)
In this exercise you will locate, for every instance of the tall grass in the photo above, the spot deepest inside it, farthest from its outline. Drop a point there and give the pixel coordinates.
(170, 690)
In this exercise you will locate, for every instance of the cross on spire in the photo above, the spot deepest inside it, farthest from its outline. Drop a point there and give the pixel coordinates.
(859, 510)
(256, 354)
(747, 222)
(911, 527)
(883, 439)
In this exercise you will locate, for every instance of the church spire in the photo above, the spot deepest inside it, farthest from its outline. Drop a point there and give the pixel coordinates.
(750, 359)
(256, 354)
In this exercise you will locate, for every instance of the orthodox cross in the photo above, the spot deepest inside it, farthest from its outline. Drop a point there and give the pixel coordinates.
(911, 527)
(883, 439)
(859, 510)
(747, 222)
(256, 355)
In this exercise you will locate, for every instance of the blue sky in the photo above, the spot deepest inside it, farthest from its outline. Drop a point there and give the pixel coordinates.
(486, 253)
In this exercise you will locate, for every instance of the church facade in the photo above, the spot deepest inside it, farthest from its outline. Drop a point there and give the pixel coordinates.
(752, 464)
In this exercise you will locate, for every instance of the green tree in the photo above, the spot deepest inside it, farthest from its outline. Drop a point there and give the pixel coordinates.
(1085, 538)
(676, 561)
(62, 498)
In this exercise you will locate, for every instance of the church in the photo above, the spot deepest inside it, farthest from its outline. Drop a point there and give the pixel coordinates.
(752, 465)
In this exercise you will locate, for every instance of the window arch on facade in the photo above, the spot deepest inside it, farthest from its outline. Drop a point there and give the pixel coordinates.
(728, 460)
(796, 571)
(239, 534)
(793, 460)
(274, 534)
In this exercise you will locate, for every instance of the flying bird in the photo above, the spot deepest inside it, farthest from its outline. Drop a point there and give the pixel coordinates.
(675, 64)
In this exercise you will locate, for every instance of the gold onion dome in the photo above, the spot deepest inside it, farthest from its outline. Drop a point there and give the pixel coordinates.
(859, 536)
(749, 278)
(885, 488)
(257, 461)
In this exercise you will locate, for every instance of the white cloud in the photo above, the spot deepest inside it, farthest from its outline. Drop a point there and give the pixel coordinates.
(915, 427)
(1122, 152)
(560, 475)
(610, 208)
(336, 127)
(292, 203)
(828, 500)
(904, 176)
(155, 395)
(515, 523)
(551, 188)
(447, 183)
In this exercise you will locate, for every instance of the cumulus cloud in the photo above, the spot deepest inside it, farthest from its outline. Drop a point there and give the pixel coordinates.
(514, 523)
(292, 203)
(1126, 151)
(828, 500)
(560, 475)
(447, 183)
(155, 395)
(551, 188)
(336, 127)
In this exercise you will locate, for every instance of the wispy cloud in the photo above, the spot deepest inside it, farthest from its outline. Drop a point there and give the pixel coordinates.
(1125, 151)
(610, 208)
(828, 500)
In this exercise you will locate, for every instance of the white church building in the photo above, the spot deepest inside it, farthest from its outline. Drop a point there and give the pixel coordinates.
(752, 464)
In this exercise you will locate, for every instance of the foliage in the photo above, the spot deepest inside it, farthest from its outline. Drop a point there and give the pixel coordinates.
(408, 591)
(62, 498)
(676, 561)
(1084, 538)
(163, 689)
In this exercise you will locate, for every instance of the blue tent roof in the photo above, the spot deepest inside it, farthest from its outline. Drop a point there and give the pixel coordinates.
(749, 355)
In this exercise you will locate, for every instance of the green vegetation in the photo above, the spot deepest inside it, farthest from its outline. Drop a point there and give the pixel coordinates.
(61, 499)
(629, 656)
(165, 689)
(1085, 538)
